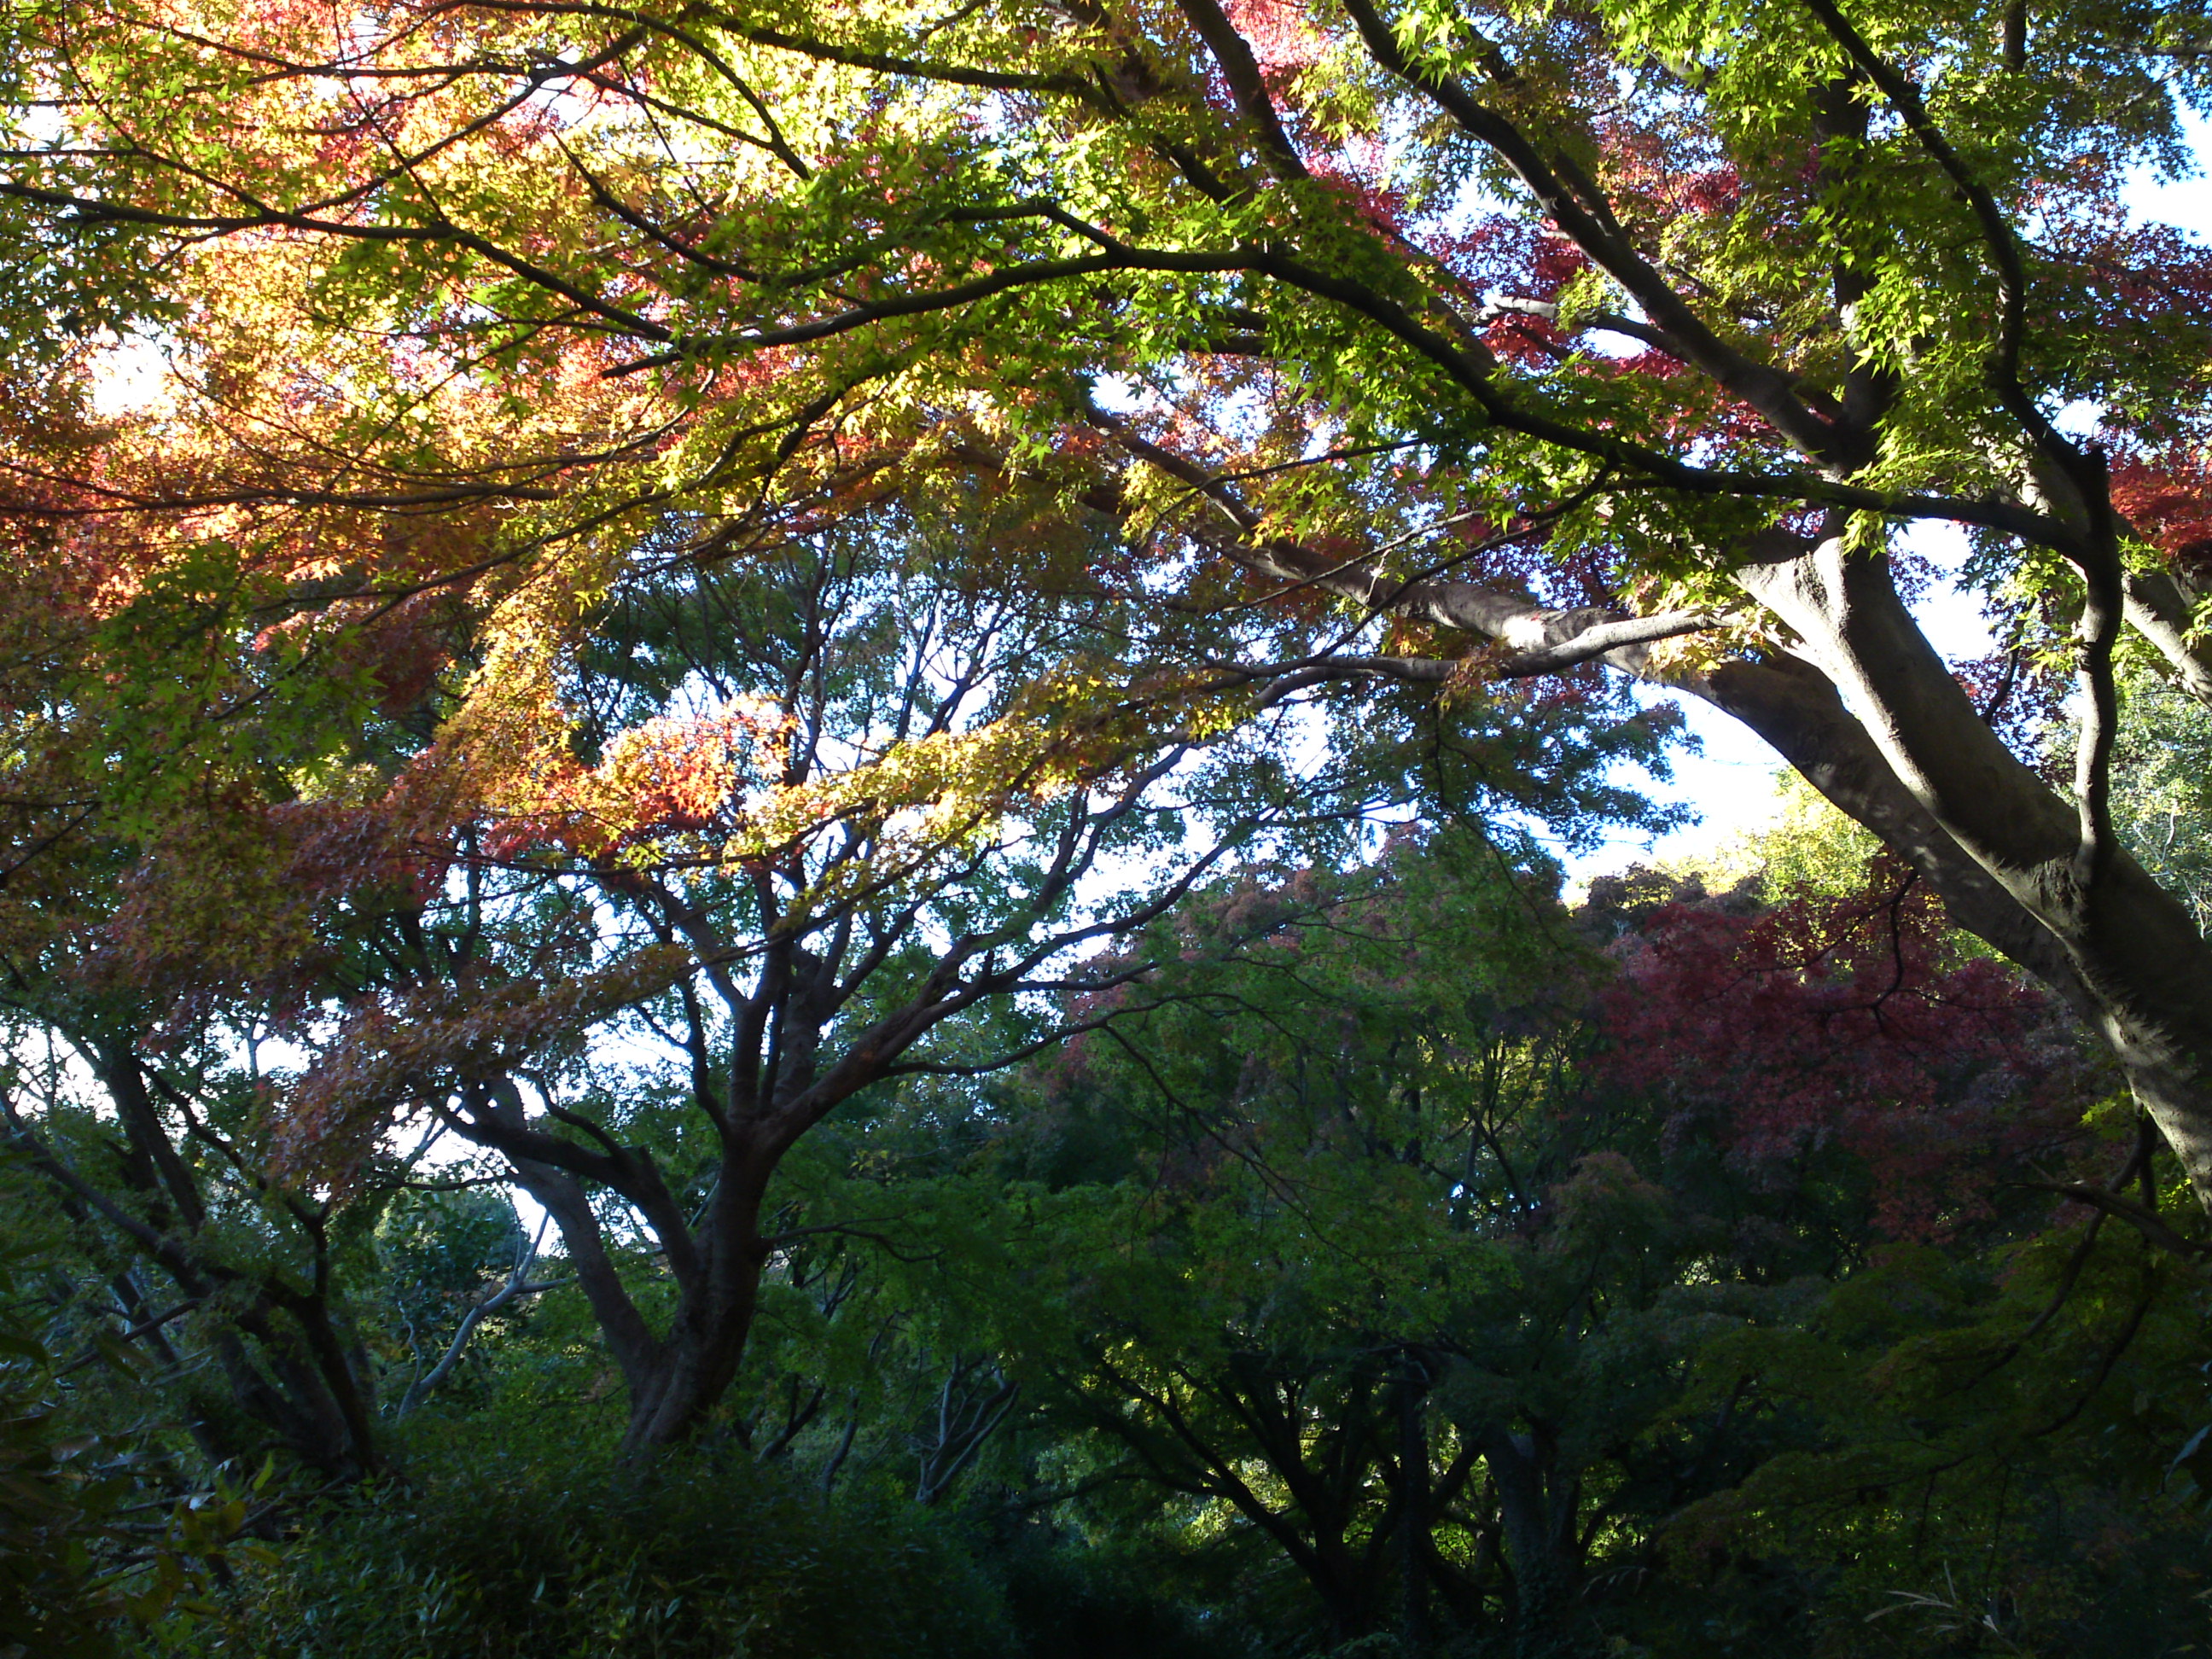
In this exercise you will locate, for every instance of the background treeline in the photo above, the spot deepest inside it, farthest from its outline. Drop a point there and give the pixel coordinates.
(1408, 1261)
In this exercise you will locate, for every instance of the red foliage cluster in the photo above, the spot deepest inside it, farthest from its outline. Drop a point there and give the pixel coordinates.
(2168, 499)
(1781, 1031)
(1282, 38)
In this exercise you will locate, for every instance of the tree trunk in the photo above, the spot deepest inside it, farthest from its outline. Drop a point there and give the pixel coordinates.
(1538, 1512)
(1413, 1513)
(705, 1341)
(700, 1356)
(673, 1380)
(1921, 768)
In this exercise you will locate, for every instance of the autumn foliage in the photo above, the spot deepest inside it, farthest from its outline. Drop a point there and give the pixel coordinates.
(1780, 1029)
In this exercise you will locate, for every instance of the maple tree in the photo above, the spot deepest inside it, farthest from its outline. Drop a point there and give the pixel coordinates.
(787, 818)
(1431, 344)
(1844, 1018)
(136, 1131)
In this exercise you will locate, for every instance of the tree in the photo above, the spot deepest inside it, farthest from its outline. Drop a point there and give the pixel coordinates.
(77, 1569)
(146, 1151)
(1667, 1304)
(796, 816)
(1528, 338)
(1713, 1304)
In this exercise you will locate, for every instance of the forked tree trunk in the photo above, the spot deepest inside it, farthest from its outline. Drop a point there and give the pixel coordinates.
(1863, 707)
(1914, 762)
(674, 1378)
(698, 1357)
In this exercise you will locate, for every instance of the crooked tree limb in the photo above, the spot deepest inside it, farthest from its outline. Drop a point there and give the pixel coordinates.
(2130, 945)
(2106, 1202)
(2161, 608)
(517, 1286)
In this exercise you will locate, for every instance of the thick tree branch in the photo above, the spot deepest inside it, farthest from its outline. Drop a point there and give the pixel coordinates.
(2163, 610)
(1241, 70)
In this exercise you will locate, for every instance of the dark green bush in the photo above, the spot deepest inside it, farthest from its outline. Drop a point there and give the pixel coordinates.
(712, 1557)
(1066, 1601)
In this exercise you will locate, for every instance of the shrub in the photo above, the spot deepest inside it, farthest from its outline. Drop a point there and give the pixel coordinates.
(710, 1556)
